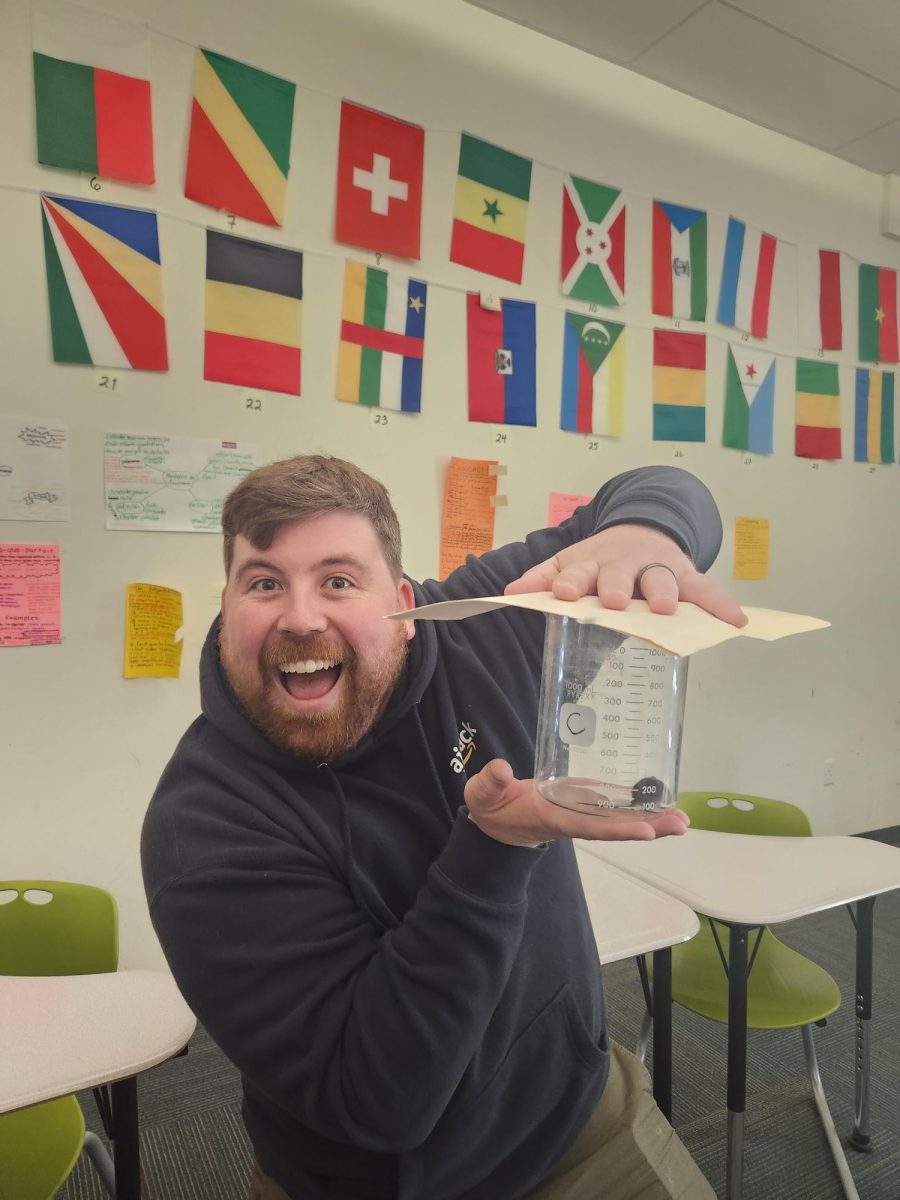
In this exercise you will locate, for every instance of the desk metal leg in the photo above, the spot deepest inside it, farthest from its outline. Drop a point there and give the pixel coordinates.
(859, 1137)
(737, 1060)
(662, 1031)
(126, 1146)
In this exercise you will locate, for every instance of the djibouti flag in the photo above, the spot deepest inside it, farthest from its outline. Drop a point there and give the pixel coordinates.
(593, 380)
(593, 242)
(491, 209)
(382, 339)
(749, 400)
(874, 417)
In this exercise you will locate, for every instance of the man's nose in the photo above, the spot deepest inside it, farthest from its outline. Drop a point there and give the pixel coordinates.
(304, 612)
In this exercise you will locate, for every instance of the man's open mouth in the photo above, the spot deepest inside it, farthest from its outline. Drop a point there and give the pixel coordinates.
(311, 678)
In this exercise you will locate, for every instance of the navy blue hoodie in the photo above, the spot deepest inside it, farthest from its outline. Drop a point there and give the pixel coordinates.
(416, 1009)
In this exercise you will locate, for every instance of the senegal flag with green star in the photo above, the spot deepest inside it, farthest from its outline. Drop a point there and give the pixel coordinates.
(492, 191)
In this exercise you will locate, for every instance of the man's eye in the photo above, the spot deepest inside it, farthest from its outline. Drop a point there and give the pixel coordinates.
(265, 585)
(338, 583)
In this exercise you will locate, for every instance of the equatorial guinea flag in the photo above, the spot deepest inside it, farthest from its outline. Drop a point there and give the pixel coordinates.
(491, 209)
(593, 380)
(679, 386)
(874, 416)
(877, 314)
(502, 351)
(92, 92)
(817, 432)
(382, 339)
(593, 242)
(749, 400)
(679, 261)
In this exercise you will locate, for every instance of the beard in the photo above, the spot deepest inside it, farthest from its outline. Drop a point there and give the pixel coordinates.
(320, 737)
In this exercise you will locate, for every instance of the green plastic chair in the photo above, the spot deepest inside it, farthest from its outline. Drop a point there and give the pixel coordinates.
(785, 989)
(49, 927)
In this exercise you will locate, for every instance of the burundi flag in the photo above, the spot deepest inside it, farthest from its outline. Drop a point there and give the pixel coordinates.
(239, 151)
(746, 289)
(593, 380)
(502, 350)
(749, 400)
(382, 339)
(818, 413)
(679, 386)
(877, 314)
(491, 209)
(91, 92)
(679, 261)
(104, 284)
(593, 242)
(254, 295)
(874, 423)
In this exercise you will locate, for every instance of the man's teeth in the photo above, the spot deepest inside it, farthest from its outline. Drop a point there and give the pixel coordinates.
(307, 668)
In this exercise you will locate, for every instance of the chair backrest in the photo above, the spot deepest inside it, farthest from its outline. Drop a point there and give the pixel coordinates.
(733, 812)
(48, 927)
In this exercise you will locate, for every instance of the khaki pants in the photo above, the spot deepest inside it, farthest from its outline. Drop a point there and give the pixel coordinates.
(627, 1150)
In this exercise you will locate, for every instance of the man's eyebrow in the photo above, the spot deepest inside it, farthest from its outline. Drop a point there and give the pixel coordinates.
(257, 564)
(333, 560)
(345, 560)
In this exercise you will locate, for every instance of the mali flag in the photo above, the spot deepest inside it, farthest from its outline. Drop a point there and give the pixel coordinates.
(239, 151)
(382, 339)
(489, 216)
(818, 420)
(877, 314)
(593, 383)
(104, 284)
(91, 92)
(254, 295)
(502, 351)
(874, 423)
(679, 386)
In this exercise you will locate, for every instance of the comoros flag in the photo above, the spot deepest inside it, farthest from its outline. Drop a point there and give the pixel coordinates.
(593, 379)
(593, 242)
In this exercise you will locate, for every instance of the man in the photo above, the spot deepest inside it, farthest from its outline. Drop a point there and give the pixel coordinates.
(398, 958)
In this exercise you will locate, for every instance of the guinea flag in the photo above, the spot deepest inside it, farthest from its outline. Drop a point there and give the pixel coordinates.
(491, 209)
(92, 92)
(877, 314)
(502, 350)
(818, 412)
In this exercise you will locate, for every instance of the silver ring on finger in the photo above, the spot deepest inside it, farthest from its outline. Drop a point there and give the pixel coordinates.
(649, 567)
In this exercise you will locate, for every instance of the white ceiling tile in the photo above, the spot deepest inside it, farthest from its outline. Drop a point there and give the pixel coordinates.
(877, 151)
(722, 56)
(864, 33)
(607, 28)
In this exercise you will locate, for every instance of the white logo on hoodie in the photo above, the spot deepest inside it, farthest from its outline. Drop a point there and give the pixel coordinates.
(464, 748)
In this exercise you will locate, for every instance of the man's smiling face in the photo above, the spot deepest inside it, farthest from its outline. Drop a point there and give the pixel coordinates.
(304, 642)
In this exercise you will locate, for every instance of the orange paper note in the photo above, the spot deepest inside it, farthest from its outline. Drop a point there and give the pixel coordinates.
(563, 504)
(29, 594)
(467, 522)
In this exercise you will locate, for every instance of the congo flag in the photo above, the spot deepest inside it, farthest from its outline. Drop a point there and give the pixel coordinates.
(491, 208)
(874, 417)
(818, 412)
(593, 385)
(502, 351)
(382, 339)
(104, 284)
(240, 143)
(254, 294)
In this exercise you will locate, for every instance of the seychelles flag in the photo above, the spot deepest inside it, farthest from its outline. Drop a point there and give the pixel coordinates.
(593, 382)
(382, 339)
(92, 92)
(874, 423)
(747, 269)
(877, 314)
(818, 412)
(593, 242)
(679, 261)
(502, 351)
(491, 209)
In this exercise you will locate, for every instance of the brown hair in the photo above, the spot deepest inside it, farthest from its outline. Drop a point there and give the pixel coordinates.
(302, 487)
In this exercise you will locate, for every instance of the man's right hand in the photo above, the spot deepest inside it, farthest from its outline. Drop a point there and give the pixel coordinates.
(513, 811)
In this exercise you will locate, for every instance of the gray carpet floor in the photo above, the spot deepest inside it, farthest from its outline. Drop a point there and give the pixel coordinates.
(194, 1148)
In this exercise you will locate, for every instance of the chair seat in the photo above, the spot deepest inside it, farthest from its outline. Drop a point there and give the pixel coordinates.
(39, 1146)
(784, 989)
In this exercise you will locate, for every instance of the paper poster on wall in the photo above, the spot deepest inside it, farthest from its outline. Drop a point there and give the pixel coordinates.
(748, 265)
(382, 339)
(154, 482)
(562, 505)
(751, 548)
(239, 150)
(593, 381)
(104, 284)
(502, 349)
(679, 261)
(29, 594)
(153, 620)
(593, 242)
(491, 209)
(873, 424)
(379, 183)
(679, 386)
(749, 400)
(467, 519)
(34, 469)
(92, 92)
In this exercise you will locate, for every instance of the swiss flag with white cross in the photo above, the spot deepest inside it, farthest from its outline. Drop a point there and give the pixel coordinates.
(379, 183)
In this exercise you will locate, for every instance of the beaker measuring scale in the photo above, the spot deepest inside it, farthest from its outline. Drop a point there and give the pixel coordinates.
(610, 720)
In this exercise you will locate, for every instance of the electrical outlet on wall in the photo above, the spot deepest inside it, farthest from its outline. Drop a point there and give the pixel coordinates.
(828, 775)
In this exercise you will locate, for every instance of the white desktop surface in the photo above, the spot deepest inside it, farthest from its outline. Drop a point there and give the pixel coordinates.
(756, 880)
(64, 1033)
(629, 918)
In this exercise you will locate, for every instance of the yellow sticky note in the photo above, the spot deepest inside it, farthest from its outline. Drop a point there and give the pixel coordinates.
(153, 618)
(751, 548)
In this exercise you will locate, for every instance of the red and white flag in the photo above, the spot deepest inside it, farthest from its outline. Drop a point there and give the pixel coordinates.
(379, 183)
(819, 294)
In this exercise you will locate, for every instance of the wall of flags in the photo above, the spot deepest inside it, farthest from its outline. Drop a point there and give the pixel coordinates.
(404, 233)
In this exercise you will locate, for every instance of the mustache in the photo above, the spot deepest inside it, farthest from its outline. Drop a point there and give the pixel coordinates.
(290, 649)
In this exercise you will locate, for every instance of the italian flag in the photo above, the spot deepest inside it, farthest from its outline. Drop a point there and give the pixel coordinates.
(491, 208)
(92, 93)
(877, 314)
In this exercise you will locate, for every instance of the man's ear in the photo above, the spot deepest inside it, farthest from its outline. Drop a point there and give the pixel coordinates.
(407, 600)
